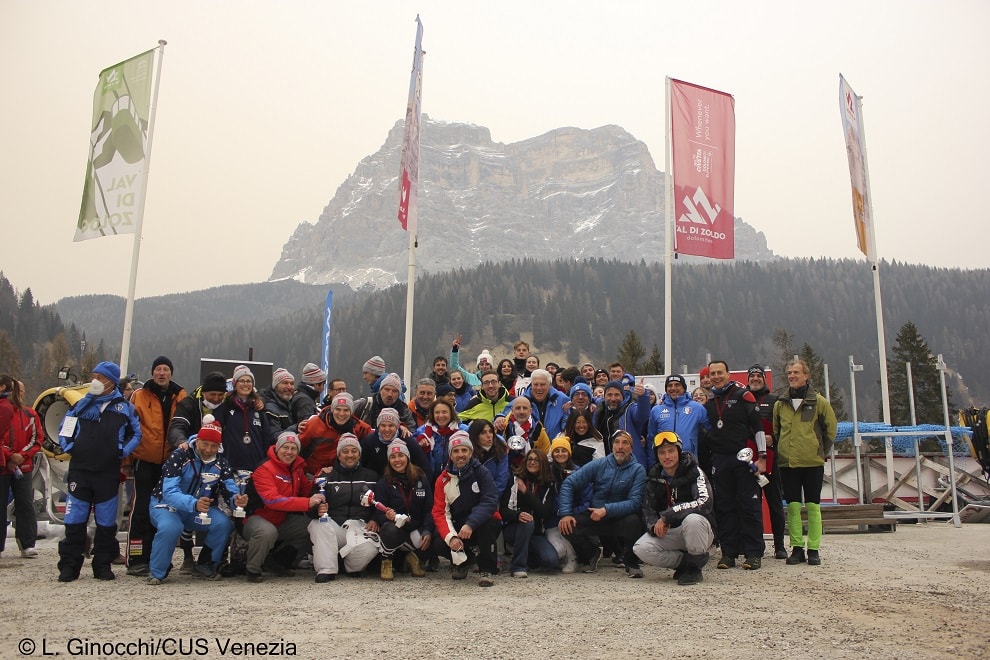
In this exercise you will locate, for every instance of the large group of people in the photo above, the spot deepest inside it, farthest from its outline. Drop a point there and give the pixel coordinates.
(560, 468)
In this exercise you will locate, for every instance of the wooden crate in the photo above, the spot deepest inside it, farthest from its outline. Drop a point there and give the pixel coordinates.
(868, 516)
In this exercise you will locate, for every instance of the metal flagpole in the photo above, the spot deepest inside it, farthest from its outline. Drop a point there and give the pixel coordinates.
(411, 223)
(125, 344)
(875, 267)
(668, 243)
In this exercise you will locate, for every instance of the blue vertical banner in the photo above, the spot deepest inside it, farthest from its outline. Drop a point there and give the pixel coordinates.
(327, 328)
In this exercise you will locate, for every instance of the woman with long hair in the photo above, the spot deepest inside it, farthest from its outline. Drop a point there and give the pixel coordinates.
(441, 423)
(587, 443)
(506, 372)
(491, 451)
(561, 466)
(21, 437)
(405, 491)
(528, 507)
(463, 392)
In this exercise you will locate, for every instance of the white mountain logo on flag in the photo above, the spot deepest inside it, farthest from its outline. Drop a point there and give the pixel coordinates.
(693, 215)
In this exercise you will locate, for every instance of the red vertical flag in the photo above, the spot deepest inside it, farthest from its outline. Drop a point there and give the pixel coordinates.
(409, 179)
(703, 152)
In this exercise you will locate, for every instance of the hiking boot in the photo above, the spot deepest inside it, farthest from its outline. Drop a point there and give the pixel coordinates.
(459, 572)
(153, 581)
(433, 565)
(752, 563)
(138, 570)
(103, 573)
(187, 566)
(797, 556)
(486, 580)
(323, 578)
(634, 571)
(814, 559)
(617, 562)
(414, 566)
(277, 569)
(727, 562)
(119, 560)
(593, 561)
(690, 575)
(386, 572)
(779, 552)
(206, 571)
(67, 575)
(255, 578)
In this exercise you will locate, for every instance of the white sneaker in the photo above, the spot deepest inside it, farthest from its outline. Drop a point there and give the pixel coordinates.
(569, 567)
(29, 553)
(520, 574)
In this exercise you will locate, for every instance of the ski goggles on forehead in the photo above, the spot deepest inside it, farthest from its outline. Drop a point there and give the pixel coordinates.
(666, 438)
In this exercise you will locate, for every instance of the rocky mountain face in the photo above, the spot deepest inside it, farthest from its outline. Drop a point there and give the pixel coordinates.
(568, 193)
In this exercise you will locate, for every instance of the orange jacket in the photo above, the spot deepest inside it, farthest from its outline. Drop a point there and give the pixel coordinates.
(154, 447)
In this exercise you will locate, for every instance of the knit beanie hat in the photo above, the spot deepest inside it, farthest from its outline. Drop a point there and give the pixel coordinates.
(562, 442)
(393, 380)
(214, 381)
(397, 447)
(374, 366)
(460, 439)
(486, 356)
(210, 431)
(312, 374)
(342, 399)
(284, 437)
(280, 376)
(581, 387)
(616, 385)
(444, 389)
(161, 359)
(388, 415)
(675, 378)
(348, 440)
(240, 371)
(109, 370)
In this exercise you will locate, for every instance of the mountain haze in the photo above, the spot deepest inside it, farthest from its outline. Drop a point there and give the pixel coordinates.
(570, 193)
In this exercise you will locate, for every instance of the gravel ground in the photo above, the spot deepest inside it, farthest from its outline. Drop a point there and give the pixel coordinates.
(920, 592)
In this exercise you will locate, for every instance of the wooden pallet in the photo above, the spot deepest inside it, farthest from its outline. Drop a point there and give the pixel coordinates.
(863, 516)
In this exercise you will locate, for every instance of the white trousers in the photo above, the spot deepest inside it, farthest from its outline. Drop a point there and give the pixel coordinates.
(329, 539)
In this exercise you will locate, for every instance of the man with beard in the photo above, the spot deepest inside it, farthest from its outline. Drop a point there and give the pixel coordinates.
(617, 483)
(318, 440)
(155, 403)
(620, 412)
(284, 406)
(390, 386)
(735, 423)
(491, 401)
(678, 509)
(314, 380)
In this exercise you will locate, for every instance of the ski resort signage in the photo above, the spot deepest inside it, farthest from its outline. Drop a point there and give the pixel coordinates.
(703, 138)
(118, 150)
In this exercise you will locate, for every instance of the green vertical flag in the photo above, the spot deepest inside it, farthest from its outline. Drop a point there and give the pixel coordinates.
(118, 155)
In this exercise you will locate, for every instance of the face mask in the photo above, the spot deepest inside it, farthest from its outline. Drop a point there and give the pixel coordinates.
(95, 387)
(210, 406)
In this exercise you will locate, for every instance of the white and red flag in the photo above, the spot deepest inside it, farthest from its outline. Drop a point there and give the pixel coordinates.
(409, 178)
(703, 153)
(852, 130)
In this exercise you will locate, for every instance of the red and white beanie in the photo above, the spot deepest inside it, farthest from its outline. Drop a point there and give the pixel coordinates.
(281, 375)
(374, 366)
(397, 447)
(460, 439)
(342, 399)
(312, 374)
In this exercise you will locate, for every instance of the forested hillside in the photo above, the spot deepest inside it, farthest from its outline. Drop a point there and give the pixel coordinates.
(577, 310)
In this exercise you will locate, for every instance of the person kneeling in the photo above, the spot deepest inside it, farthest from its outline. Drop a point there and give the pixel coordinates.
(284, 490)
(193, 480)
(465, 503)
(342, 522)
(406, 523)
(678, 509)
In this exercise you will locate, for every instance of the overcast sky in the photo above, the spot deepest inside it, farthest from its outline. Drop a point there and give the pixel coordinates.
(266, 107)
